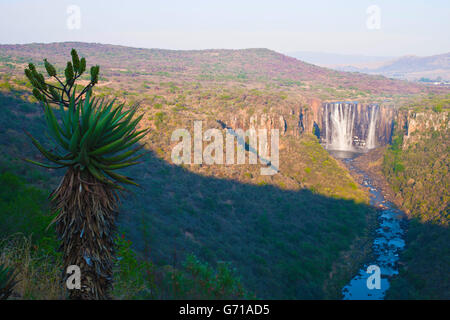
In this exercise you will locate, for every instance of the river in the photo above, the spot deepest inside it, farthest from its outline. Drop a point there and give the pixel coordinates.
(387, 243)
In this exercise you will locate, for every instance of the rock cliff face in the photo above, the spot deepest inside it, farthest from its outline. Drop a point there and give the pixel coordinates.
(419, 124)
(267, 121)
(309, 116)
(293, 120)
(338, 125)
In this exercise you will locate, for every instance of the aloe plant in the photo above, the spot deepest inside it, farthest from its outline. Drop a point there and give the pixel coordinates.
(60, 92)
(7, 281)
(94, 138)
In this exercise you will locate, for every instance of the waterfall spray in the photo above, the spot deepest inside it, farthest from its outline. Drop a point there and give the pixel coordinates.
(350, 127)
(372, 127)
(342, 119)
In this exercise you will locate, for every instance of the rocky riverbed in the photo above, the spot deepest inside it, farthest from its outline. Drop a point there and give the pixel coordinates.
(388, 239)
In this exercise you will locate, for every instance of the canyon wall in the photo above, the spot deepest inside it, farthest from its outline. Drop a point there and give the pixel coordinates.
(338, 125)
(419, 124)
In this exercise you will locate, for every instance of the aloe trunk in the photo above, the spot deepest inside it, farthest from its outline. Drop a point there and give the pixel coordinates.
(86, 225)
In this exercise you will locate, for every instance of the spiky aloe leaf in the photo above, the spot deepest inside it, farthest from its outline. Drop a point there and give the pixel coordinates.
(120, 178)
(46, 153)
(123, 128)
(94, 135)
(58, 133)
(48, 166)
(123, 156)
(113, 166)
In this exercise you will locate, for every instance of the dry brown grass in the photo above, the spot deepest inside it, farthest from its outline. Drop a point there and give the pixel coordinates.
(38, 273)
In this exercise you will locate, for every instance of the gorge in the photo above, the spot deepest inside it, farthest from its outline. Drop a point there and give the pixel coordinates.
(339, 126)
(310, 231)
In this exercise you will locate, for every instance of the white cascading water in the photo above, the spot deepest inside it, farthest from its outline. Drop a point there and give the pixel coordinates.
(342, 118)
(372, 126)
(344, 133)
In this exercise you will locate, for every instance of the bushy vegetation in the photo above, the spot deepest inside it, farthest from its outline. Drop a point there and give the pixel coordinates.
(419, 172)
(431, 102)
(213, 68)
(283, 239)
(424, 263)
(26, 244)
(29, 249)
(7, 282)
(291, 230)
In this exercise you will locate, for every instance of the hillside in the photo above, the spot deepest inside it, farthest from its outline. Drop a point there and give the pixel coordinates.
(335, 60)
(246, 67)
(302, 230)
(431, 68)
(417, 168)
(305, 230)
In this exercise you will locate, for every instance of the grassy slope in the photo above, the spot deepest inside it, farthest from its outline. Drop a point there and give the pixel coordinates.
(420, 174)
(294, 230)
(28, 246)
(285, 240)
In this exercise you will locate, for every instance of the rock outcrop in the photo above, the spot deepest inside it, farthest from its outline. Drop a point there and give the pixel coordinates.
(419, 124)
(314, 116)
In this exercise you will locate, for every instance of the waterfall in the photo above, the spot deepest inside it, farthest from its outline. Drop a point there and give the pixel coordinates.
(372, 127)
(342, 118)
(350, 126)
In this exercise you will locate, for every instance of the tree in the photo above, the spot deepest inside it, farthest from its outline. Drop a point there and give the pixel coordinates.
(93, 139)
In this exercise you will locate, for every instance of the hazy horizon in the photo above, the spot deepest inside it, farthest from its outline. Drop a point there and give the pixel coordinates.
(393, 29)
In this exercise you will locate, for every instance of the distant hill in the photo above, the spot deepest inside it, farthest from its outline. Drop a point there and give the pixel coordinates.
(412, 68)
(432, 68)
(250, 65)
(331, 60)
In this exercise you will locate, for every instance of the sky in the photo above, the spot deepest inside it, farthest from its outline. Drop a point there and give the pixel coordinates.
(374, 28)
